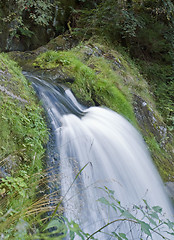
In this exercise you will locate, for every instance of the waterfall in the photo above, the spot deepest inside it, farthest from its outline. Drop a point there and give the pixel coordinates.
(113, 150)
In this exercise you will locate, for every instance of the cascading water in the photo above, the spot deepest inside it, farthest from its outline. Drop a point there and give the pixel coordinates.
(113, 150)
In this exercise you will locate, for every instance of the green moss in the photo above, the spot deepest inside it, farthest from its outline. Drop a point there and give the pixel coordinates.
(162, 159)
(98, 84)
(23, 133)
(20, 116)
(51, 59)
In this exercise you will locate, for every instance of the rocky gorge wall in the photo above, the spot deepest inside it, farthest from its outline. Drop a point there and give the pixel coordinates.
(100, 75)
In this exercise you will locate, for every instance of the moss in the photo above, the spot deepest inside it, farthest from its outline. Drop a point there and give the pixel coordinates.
(20, 114)
(162, 159)
(97, 85)
(23, 133)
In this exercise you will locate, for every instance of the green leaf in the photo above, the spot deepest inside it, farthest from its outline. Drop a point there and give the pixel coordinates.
(120, 209)
(152, 221)
(123, 236)
(145, 228)
(51, 224)
(127, 214)
(114, 207)
(109, 191)
(72, 235)
(157, 209)
(170, 233)
(146, 204)
(154, 215)
(135, 206)
(169, 224)
(117, 236)
(104, 201)
(55, 223)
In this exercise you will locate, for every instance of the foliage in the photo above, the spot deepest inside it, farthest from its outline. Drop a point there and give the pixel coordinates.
(25, 24)
(161, 81)
(39, 12)
(149, 219)
(143, 222)
(10, 185)
(145, 28)
(22, 126)
(23, 135)
(20, 217)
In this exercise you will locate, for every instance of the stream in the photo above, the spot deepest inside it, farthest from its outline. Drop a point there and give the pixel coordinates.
(112, 153)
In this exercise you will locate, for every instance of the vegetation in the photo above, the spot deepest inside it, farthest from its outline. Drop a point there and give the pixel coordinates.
(23, 134)
(144, 222)
(145, 28)
(102, 77)
(96, 85)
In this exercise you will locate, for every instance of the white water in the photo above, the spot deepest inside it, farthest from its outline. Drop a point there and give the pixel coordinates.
(115, 153)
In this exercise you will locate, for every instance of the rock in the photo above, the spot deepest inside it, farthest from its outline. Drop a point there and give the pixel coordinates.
(148, 121)
(62, 42)
(170, 189)
(9, 165)
(3, 173)
(56, 75)
(26, 59)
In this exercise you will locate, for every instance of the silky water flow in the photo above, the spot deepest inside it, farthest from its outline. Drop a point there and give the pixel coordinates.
(114, 154)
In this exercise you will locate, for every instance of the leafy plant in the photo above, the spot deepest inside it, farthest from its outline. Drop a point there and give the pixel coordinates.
(11, 185)
(149, 219)
(144, 222)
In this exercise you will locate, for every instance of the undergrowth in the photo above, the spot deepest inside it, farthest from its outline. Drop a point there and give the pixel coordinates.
(160, 77)
(23, 133)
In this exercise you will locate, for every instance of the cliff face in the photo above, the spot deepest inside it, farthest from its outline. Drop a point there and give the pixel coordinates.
(100, 74)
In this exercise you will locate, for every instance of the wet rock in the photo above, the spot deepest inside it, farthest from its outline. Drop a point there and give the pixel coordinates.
(92, 50)
(55, 76)
(170, 189)
(3, 89)
(3, 173)
(148, 121)
(26, 59)
(9, 165)
(62, 42)
(88, 52)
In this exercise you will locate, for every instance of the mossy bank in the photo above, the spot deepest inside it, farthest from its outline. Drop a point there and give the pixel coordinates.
(23, 135)
(100, 74)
